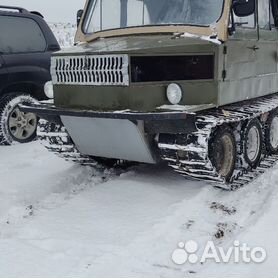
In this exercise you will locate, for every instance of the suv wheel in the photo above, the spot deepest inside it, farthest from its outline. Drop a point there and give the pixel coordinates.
(16, 126)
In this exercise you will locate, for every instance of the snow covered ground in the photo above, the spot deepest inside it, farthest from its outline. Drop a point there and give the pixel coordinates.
(62, 220)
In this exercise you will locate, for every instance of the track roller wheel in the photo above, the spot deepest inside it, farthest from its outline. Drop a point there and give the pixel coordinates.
(223, 152)
(253, 143)
(271, 133)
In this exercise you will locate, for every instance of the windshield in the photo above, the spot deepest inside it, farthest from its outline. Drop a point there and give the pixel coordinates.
(113, 14)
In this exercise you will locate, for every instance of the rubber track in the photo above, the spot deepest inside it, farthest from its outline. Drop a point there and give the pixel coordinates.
(195, 162)
(56, 140)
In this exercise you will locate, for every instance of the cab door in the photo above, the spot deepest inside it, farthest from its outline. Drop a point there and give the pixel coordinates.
(240, 60)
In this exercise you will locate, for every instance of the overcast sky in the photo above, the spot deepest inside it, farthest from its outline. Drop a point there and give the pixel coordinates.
(53, 10)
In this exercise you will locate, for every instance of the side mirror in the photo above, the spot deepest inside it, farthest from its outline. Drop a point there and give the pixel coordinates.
(244, 8)
(79, 15)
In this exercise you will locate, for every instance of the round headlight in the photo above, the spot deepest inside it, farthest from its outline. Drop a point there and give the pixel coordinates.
(48, 89)
(174, 93)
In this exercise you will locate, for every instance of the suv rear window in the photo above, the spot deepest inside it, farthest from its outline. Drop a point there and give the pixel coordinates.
(20, 35)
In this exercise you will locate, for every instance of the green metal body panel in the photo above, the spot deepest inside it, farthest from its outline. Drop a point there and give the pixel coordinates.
(145, 44)
(250, 65)
(140, 96)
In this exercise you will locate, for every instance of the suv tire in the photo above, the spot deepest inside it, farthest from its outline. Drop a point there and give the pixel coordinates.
(16, 126)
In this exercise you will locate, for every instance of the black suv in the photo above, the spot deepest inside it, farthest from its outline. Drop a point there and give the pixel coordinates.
(26, 44)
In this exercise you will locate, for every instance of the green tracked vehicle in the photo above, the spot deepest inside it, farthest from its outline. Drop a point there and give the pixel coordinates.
(190, 82)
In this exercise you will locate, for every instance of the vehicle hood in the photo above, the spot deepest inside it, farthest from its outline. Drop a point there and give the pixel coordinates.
(139, 44)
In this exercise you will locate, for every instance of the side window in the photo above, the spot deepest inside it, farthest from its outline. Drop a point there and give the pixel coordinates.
(264, 14)
(20, 35)
(263, 17)
(245, 22)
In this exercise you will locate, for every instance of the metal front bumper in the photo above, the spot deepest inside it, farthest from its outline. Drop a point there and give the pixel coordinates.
(121, 135)
(155, 122)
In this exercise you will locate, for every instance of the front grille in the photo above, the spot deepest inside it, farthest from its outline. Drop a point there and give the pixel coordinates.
(90, 70)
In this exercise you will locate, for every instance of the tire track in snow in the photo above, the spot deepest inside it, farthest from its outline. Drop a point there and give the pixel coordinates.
(194, 219)
(52, 191)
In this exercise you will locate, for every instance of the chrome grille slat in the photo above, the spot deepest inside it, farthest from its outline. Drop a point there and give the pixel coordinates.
(90, 70)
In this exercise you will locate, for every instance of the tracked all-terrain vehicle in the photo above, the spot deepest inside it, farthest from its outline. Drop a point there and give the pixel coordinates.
(190, 82)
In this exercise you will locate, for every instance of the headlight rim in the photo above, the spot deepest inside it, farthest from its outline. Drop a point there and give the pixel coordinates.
(48, 89)
(174, 93)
